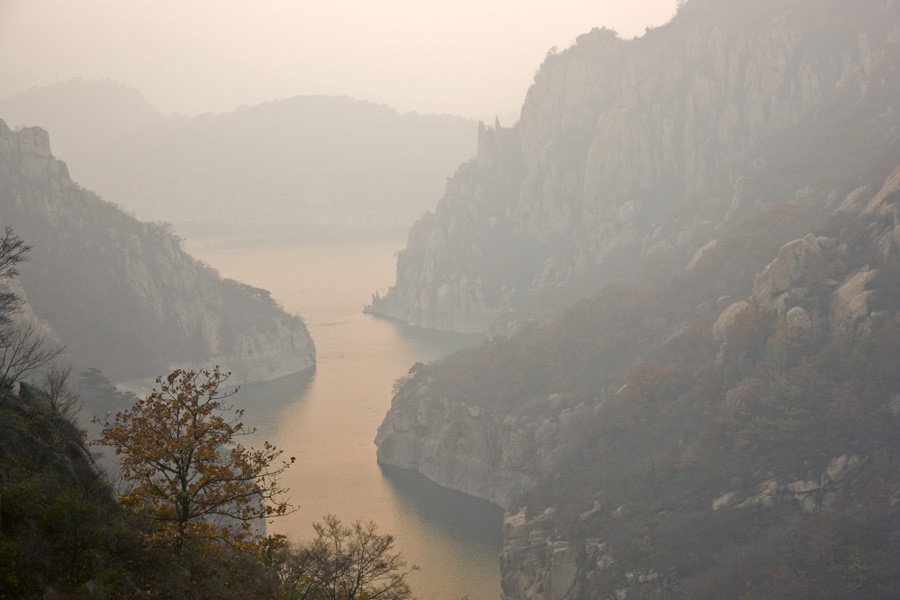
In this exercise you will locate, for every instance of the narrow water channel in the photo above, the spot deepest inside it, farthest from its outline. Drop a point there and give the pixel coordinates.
(328, 419)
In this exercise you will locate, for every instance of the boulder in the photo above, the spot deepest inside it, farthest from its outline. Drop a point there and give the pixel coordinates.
(787, 270)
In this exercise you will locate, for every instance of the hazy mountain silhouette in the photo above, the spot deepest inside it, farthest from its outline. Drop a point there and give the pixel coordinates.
(305, 159)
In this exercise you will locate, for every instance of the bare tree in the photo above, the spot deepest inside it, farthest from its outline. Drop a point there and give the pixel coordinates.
(23, 349)
(12, 252)
(344, 563)
(64, 401)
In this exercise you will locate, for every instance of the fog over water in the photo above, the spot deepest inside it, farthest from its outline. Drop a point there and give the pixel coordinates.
(328, 420)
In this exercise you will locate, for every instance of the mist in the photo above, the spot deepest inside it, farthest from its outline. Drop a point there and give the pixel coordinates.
(472, 59)
(578, 300)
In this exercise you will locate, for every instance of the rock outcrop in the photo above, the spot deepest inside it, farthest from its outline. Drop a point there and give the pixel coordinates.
(461, 447)
(810, 277)
(122, 294)
(537, 563)
(630, 155)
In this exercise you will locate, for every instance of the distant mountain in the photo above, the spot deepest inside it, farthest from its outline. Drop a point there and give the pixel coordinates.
(122, 294)
(305, 159)
(87, 118)
(630, 155)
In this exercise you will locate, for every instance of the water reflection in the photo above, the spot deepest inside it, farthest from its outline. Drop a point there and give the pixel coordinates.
(263, 403)
(328, 418)
(445, 342)
(455, 514)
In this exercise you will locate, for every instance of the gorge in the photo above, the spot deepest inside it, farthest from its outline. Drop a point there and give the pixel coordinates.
(685, 262)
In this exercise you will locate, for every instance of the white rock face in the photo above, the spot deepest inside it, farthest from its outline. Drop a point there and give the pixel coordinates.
(462, 447)
(798, 318)
(727, 318)
(787, 270)
(25, 316)
(613, 134)
(851, 303)
(885, 205)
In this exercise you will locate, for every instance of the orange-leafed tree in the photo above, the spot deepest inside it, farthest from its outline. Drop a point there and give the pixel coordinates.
(183, 467)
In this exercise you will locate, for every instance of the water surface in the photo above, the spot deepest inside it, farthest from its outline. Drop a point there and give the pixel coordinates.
(328, 419)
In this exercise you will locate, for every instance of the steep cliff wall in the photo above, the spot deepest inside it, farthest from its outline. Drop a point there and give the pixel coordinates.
(630, 155)
(480, 451)
(122, 294)
(758, 426)
(728, 432)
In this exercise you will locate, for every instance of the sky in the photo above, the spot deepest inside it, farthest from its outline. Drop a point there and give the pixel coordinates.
(473, 58)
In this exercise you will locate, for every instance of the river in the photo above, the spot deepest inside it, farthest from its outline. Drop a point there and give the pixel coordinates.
(328, 419)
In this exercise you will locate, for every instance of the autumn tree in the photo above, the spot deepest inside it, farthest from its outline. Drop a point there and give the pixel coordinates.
(342, 563)
(183, 467)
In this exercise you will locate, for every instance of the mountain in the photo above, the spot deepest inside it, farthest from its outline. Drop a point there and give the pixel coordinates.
(122, 294)
(306, 159)
(727, 430)
(81, 113)
(630, 155)
(718, 419)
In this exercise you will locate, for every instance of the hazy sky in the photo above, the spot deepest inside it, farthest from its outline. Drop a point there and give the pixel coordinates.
(475, 58)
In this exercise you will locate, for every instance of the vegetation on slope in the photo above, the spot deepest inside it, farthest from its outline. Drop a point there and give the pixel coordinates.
(181, 524)
(64, 533)
(683, 432)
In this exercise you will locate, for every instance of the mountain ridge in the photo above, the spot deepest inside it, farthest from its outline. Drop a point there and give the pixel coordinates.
(307, 159)
(714, 115)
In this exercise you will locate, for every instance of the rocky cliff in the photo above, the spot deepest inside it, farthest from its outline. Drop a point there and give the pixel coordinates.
(755, 438)
(728, 431)
(631, 154)
(122, 294)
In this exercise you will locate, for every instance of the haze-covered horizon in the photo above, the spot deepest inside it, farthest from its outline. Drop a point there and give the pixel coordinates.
(644, 344)
(468, 59)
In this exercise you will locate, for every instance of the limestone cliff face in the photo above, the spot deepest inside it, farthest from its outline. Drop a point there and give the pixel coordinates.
(827, 291)
(122, 294)
(641, 153)
(497, 457)
(630, 154)
(481, 452)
